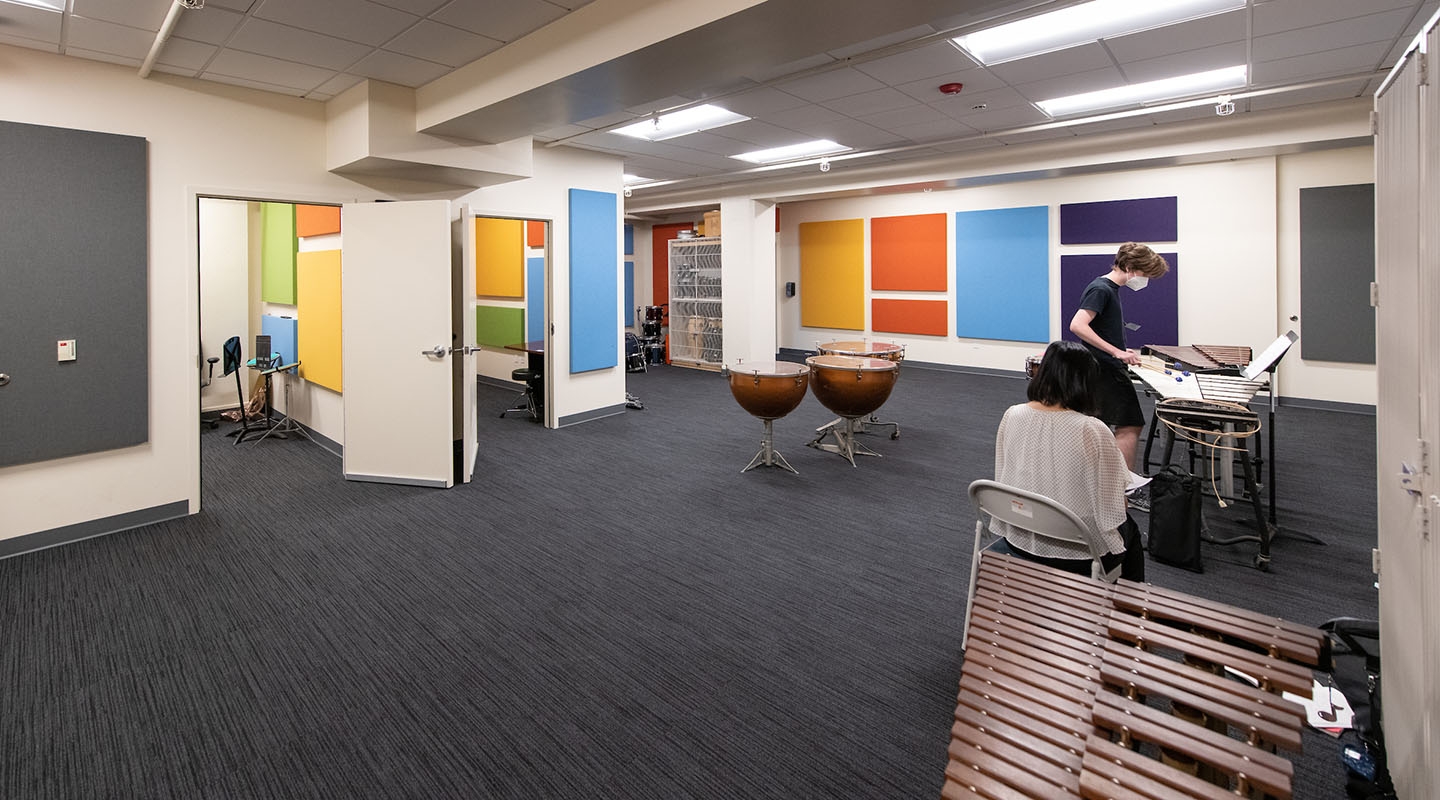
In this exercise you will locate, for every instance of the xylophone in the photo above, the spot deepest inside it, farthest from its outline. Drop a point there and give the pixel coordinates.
(1197, 357)
(1075, 688)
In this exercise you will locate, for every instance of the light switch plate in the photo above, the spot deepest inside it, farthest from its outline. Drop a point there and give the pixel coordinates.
(65, 350)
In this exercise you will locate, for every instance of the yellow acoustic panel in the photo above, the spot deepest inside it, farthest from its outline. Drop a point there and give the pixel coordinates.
(499, 257)
(317, 289)
(832, 274)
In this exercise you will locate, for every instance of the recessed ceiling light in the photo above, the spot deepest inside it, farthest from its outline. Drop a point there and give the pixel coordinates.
(790, 152)
(681, 123)
(1082, 24)
(1149, 92)
(47, 5)
(629, 179)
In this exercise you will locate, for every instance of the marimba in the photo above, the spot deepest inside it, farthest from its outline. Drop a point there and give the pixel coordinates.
(1073, 688)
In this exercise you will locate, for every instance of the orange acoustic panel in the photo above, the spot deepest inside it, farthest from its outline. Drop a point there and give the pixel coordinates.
(316, 220)
(534, 233)
(908, 254)
(832, 274)
(924, 317)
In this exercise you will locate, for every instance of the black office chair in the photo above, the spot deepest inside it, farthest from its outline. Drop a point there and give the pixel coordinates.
(212, 419)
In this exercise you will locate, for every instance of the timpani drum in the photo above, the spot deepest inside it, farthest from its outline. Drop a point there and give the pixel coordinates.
(864, 348)
(1032, 366)
(769, 390)
(851, 387)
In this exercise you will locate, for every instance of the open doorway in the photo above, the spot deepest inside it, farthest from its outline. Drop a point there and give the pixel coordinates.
(511, 261)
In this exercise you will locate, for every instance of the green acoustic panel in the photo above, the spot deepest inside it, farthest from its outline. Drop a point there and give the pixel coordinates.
(497, 326)
(277, 253)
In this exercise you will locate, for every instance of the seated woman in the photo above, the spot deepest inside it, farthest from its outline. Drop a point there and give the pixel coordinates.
(1053, 447)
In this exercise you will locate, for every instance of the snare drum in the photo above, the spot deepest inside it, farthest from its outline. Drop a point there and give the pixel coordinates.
(849, 386)
(864, 348)
(1032, 366)
(769, 389)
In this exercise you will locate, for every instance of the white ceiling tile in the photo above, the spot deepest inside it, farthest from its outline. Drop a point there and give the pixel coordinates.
(252, 84)
(33, 44)
(663, 103)
(1075, 59)
(830, 84)
(939, 58)
(974, 80)
(804, 118)
(910, 115)
(24, 22)
(606, 120)
(107, 37)
(869, 45)
(1000, 119)
(295, 44)
(764, 74)
(234, 5)
(1114, 125)
(967, 146)
(857, 105)
(945, 128)
(1284, 15)
(421, 7)
(109, 58)
(506, 21)
(212, 25)
(181, 71)
(395, 68)
(963, 105)
(1360, 58)
(146, 14)
(561, 131)
(185, 54)
(1204, 32)
(758, 133)
(711, 143)
(1037, 136)
(338, 84)
(1185, 63)
(1188, 114)
(1318, 94)
(854, 133)
(443, 43)
(264, 69)
(1385, 27)
(759, 102)
(356, 20)
(1064, 84)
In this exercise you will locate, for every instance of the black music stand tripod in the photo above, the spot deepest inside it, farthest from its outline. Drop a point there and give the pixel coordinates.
(286, 426)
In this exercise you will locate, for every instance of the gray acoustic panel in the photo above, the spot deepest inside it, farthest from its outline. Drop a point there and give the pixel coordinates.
(73, 265)
(1337, 264)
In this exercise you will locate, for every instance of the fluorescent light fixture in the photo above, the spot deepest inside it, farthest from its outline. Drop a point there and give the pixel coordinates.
(631, 179)
(1082, 24)
(790, 152)
(681, 123)
(1150, 92)
(46, 5)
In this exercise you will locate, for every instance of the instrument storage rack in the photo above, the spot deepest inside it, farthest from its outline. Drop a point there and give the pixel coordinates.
(696, 323)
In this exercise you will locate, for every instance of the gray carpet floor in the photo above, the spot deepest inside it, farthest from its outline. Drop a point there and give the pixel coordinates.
(610, 610)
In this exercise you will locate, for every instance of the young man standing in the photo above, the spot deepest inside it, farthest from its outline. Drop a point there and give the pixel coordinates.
(1100, 324)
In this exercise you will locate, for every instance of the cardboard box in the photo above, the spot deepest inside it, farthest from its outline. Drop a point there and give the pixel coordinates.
(712, 223)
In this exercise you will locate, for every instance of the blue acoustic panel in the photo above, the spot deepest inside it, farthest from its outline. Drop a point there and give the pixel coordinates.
(1151, 219)
(629, 293)
(534, 299)
(594, 280)
(1002, 274)
(629, 240)
(283, 339)
(1155, 310)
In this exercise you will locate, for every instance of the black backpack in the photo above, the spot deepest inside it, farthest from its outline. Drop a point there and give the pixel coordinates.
(1175, 520)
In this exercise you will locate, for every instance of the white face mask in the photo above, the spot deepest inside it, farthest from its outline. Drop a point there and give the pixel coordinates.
(1137, 282)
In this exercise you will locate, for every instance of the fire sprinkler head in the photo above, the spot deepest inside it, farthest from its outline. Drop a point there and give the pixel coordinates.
(951, 88)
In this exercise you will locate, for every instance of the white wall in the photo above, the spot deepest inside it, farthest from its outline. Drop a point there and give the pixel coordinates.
(1325, 380)
(203, 138)
(1225, 252)
(224, 292)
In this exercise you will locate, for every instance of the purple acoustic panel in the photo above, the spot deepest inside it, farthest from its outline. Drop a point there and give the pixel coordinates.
(1151, 219)
(1155, 310)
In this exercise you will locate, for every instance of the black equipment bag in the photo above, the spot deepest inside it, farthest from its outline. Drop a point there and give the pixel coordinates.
(1355, 652)
(1175, 520)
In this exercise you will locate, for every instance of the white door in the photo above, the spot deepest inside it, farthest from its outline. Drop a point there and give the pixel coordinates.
(396, 338)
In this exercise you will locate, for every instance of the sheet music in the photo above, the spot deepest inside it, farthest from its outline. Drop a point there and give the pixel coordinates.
(1271, 355)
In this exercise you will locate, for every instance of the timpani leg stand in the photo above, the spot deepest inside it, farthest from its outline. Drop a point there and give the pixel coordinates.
(843, 431)
(768, 455)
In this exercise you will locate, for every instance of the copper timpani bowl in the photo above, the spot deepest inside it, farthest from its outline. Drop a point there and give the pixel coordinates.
(864, 348)
(850, 386)
(769, 389)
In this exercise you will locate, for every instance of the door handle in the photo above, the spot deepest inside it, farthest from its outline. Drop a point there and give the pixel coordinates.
(467, 349)
(4, 379)
(438, 351)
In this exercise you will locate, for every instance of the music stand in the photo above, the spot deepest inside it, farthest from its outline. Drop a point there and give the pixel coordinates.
(1268, 362)
(287, 425)
(234, 360)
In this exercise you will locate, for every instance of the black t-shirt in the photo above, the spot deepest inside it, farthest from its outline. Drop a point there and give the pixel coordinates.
(1102, 296)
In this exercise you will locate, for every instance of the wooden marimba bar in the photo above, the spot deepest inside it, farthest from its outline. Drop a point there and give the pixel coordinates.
(1077, 689)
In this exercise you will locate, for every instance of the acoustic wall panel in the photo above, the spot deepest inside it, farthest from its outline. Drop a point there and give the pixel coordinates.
(1152, 316)
(908, 253)
(534, 299)
(499, 257)
(1150, 219)
(497, 326)
(629, 240)
(317, 289)
(1002, 274)
(277, 253)
(924, 317)
(283, 336)
(534, 233)
(74, 222)
(316, 220)
(1337, 264)
(594, 280)
(832, 274)
(629, 307)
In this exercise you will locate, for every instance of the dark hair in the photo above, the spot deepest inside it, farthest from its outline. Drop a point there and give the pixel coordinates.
(1066, 378)
(1133, 257)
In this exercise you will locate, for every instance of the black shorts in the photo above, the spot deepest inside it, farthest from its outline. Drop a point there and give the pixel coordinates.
(1117, 404)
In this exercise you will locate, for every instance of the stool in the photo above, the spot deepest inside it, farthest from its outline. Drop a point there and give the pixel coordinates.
(525, 401)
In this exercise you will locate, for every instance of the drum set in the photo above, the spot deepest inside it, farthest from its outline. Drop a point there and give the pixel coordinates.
(652, 337)
(852, 379)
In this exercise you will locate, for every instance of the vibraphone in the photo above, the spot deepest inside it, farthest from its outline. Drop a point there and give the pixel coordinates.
(1074, 688)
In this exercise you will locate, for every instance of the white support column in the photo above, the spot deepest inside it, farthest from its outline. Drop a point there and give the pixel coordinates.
(748, 278)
